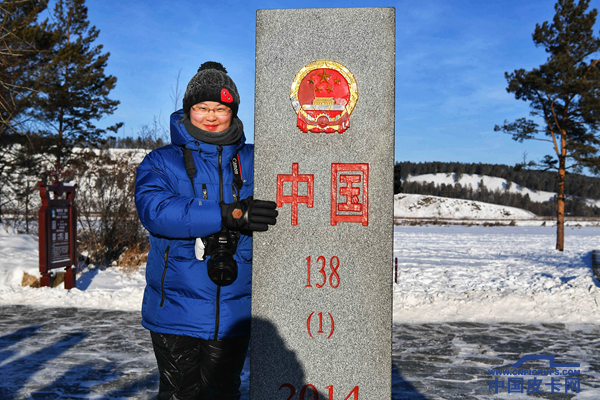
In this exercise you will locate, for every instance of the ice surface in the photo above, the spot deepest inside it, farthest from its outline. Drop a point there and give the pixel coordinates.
(65, 353)
(456, 284)
(68, 353)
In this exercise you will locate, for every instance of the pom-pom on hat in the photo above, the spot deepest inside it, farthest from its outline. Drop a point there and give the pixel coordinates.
(211, 83)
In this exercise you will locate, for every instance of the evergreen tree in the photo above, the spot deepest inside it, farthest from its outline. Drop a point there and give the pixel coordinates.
(23, 43)
(397, 178)
(458, 172)
(564, 93)
(73, 86)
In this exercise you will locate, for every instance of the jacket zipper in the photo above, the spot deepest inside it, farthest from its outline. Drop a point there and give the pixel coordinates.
(162, 281)
(218, 305)
(218, 311)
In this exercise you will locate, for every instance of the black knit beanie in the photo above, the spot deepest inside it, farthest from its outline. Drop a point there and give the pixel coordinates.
(211, 83)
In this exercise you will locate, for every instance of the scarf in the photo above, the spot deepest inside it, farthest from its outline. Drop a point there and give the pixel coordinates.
(230, 135)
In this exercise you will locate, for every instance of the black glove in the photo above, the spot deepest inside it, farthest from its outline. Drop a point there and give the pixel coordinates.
(249, 215)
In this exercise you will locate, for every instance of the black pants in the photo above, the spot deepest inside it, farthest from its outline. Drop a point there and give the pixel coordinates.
(197, 369)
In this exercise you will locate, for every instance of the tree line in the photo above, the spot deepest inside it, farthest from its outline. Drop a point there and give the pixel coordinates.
(578, 185)
(53, 80)
(576, 207)
(130, 142)
(581, 187)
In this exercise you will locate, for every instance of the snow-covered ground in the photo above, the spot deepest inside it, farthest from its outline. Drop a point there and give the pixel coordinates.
(496, 277)
(491, 182)
(102, 288)
(484, 274)
(446, 273)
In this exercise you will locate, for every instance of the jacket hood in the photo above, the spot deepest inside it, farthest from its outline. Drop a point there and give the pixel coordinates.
(181, 137)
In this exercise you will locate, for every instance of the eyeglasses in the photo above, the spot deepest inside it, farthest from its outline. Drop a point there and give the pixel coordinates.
(203, 110)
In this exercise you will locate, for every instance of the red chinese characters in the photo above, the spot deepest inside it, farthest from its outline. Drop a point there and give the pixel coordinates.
(349, 192)
(353, 207)
(295, 199)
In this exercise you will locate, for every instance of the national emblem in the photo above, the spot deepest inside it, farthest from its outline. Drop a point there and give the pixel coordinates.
(324, 114)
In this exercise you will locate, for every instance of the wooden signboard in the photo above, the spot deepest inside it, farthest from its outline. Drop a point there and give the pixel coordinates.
(58, 232)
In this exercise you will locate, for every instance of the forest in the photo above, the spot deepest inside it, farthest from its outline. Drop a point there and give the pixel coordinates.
(578, 187)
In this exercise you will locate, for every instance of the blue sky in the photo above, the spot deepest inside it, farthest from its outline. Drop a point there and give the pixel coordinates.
(450, 62)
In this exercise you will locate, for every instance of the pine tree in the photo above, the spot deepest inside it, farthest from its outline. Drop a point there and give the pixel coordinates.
(23, 43)
(458, 172)
(74, 87)
(564, 93)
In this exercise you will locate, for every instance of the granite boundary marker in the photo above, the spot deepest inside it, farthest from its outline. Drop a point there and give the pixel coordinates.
(327, 330)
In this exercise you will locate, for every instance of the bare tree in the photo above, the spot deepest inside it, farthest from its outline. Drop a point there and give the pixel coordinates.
(106, 208)
(176, 94)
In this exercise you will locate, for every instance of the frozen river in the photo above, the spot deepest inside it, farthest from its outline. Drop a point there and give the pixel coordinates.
(72, 353)
(457, 288)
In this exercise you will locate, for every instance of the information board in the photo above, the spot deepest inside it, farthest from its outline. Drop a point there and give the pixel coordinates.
(59, 235)
(57, 232)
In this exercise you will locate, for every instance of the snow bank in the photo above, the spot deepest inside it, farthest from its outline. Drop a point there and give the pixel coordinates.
(422, 206)
(108, 288)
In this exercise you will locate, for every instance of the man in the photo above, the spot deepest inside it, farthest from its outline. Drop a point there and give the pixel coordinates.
(195, 198)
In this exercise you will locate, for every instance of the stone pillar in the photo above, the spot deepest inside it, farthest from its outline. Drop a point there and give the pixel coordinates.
(324, 135)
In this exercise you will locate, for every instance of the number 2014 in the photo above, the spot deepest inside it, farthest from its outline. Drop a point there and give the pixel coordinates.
(334, 278)
(315, 393)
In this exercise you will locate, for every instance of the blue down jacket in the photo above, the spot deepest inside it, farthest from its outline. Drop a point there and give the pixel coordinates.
(179, 297)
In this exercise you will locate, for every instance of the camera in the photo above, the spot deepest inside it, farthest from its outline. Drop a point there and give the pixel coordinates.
(221, 246)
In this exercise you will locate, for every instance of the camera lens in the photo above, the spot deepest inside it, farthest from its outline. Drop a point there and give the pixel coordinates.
(222, 269)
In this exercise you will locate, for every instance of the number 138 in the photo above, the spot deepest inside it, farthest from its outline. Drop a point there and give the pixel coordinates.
(334, 278)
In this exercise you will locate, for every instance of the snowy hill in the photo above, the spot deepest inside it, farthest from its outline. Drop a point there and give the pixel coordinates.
(423, 206)
(491, 182)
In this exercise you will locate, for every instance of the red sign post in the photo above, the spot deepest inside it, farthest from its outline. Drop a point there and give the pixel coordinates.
(58, 232)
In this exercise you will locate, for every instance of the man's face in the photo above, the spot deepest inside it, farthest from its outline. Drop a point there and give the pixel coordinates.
(210, 116)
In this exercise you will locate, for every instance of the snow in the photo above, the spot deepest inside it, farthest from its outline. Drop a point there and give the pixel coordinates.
(493, 274)
(422, 206)
(446, 273)
(410, 209)
(99, 288)
(135, 156)
(491, 182)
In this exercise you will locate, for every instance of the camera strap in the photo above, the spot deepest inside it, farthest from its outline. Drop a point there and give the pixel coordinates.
(190, 168)
(236, 166)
